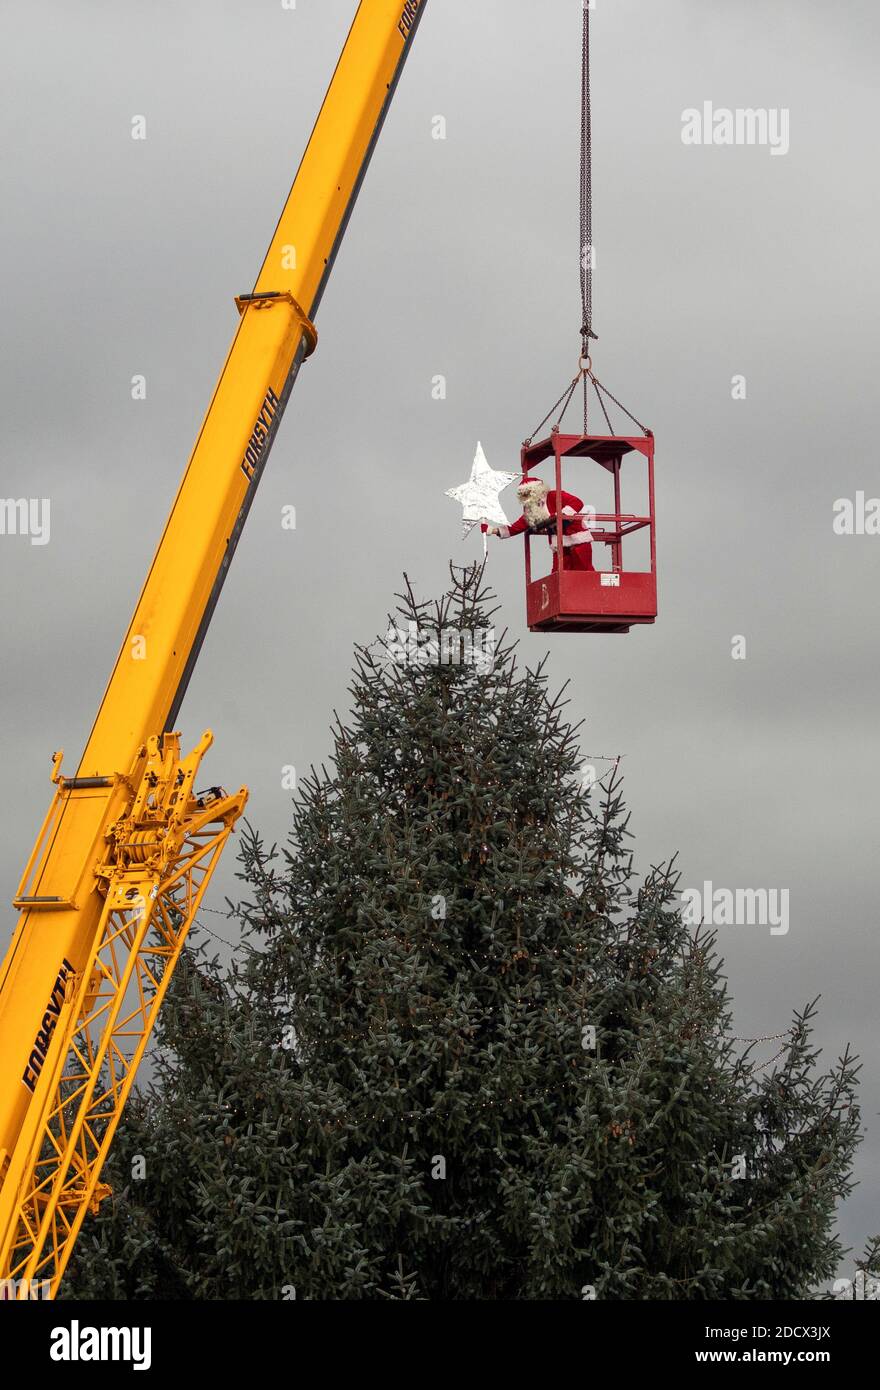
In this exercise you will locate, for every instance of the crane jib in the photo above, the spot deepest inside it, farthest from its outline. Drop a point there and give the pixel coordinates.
(124, 858)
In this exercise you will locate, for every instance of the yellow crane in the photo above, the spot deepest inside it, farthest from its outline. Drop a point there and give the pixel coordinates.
(128, 845)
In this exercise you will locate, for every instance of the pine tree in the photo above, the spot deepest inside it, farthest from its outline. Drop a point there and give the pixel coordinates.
(466, 1054)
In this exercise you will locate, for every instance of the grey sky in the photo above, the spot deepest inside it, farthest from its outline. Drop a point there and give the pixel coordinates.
(123, 257)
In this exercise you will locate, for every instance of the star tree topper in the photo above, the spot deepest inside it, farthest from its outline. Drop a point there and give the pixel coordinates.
(479, 495)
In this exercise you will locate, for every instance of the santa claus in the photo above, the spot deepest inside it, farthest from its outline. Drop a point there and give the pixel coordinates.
(540, 507)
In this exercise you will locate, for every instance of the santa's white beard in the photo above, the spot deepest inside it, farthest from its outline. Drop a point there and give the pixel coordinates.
(535, 510)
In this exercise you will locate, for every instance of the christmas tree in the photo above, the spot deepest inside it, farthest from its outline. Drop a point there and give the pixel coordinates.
(465, 1053)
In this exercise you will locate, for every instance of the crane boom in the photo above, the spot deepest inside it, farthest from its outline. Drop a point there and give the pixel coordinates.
(128, 846)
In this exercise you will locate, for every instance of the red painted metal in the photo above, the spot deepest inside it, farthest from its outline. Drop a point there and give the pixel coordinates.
(602, 600)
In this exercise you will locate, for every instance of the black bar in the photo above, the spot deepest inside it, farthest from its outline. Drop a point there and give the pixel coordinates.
(632, 1336)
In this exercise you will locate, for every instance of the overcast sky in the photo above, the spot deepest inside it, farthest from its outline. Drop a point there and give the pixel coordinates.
(123, 257)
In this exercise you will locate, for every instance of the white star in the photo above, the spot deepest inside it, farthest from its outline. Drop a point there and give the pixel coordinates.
(479, 495)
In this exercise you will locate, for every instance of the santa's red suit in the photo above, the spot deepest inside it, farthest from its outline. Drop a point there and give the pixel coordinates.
(540, 507)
